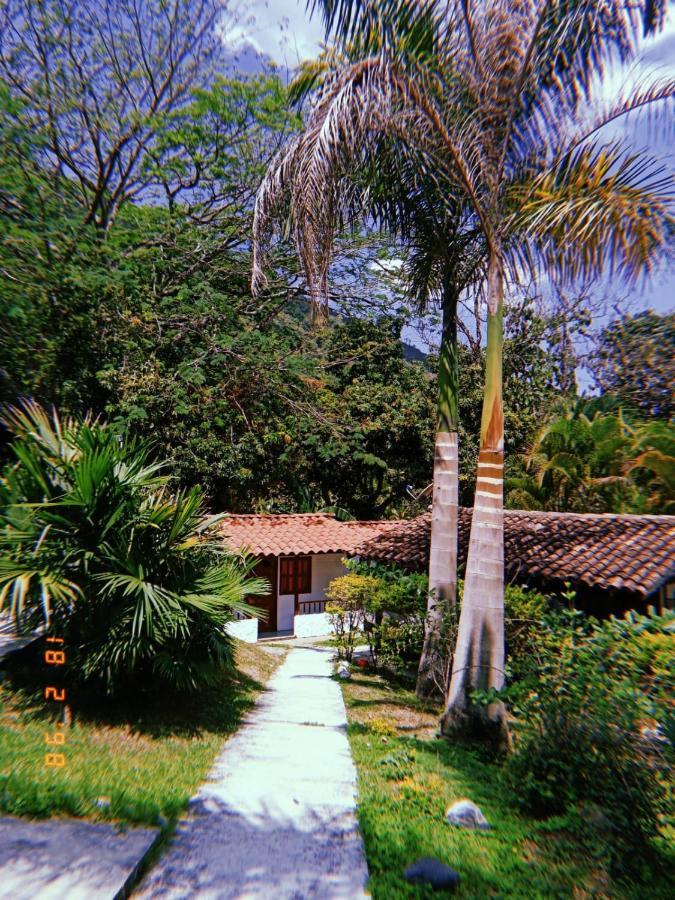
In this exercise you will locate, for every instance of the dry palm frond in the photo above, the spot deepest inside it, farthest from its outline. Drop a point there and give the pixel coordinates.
(468, 105)
(370, 102)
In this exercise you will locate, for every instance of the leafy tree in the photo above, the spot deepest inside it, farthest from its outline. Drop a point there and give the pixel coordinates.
(97, 80)
(634, 360)
(481, 106)
(50, 272)
(216, 387)
(93, 545)
(68, 297)
(376, 436)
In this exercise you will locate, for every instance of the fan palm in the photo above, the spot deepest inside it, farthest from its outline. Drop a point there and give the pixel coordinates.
(93, 545)
(494, 108)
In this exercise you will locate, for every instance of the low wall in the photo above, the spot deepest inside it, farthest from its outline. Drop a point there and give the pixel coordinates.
(312, 625)
(244, 629)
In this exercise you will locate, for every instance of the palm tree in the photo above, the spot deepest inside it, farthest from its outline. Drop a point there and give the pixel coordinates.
(577, 462)
(443, 259)
(93, 544)
(591, 458)
(494, 114)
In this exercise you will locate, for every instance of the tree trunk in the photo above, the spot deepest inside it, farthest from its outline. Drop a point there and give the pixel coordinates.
(434, 661)
(478, 662)
(318, 302)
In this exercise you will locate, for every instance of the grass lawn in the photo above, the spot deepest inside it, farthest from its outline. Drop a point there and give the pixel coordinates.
(140, 763)
(407, 779)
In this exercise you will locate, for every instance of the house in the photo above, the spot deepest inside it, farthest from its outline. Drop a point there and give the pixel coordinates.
(614, 562)
(299, 554)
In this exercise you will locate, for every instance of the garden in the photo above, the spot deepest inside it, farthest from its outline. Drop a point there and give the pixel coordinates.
(118, 574)
(583, 801)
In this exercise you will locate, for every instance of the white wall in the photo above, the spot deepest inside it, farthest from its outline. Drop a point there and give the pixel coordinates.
(244, 629)
(325, 567)
(312, 625)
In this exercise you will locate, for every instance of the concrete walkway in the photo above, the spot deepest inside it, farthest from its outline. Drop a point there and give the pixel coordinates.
(276, 817)
(67, 859)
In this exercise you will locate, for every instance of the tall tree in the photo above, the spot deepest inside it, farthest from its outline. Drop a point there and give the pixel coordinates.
(442, 259)
(634, 359)
(97, 79)
(494, 112)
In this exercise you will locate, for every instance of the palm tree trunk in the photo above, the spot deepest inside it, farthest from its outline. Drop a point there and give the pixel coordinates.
(434, 661)
(318, 303)
(478, 662)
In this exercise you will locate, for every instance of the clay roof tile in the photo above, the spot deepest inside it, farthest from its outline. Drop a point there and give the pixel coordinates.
(636, 553)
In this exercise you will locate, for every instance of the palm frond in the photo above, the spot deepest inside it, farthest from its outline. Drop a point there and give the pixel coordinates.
(375, 24)
(599, 208)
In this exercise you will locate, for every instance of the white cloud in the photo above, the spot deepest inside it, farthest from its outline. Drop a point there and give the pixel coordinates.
(279, 29)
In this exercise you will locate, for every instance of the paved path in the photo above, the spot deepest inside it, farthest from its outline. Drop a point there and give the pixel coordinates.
(68, 859)
(276, 819)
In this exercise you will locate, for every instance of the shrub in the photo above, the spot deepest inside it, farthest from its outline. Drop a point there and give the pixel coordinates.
(347, 597)
(579, 747)
(93, 544)
(393, 605)
(393, 609)
(525, 612)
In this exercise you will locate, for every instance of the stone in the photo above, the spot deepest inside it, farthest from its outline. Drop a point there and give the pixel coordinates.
(466, 814)
(432, 872)
(343, 671)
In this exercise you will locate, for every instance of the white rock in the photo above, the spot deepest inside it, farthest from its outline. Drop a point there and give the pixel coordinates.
(466, 814)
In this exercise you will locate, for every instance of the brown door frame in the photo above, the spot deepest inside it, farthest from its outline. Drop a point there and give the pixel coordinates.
(270, 570)
(296, 558)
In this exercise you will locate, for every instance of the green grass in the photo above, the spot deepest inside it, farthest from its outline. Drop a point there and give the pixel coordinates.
(141, 762)
(407, 779)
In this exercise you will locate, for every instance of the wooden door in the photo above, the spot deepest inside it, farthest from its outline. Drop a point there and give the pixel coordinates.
(267, 568)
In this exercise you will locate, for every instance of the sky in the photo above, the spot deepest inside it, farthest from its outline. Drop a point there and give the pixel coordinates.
(283, 31)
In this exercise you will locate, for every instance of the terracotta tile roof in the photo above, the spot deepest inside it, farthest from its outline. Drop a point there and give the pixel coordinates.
(631, 553)
(297, 534)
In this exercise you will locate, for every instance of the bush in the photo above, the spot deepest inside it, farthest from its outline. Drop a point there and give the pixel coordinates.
(525, 612)
(579, 748)
(93, 544)
(347, 597)
(391, 605)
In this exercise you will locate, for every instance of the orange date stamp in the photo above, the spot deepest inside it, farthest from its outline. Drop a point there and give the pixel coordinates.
(54, 759)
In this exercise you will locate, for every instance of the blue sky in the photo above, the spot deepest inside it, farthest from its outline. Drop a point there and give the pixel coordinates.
(283, 31)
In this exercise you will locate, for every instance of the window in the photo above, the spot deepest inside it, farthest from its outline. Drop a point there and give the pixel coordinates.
(295, 575)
